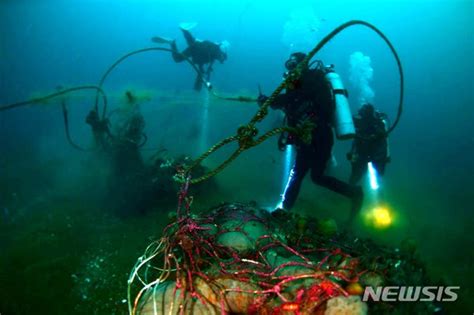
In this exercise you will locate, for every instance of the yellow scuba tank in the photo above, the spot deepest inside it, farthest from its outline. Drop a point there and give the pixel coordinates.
(342, 120)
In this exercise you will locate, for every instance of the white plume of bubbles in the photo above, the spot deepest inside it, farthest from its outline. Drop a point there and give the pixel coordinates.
(360, 75)
(300, 31)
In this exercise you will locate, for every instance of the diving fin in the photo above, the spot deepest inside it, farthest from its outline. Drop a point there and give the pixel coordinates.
(161, 40)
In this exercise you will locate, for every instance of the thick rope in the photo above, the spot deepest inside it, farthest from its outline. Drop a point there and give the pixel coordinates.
(247, 144)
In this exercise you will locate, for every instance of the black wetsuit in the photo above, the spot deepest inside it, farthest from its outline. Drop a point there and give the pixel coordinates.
(312, 99)
(201, 53)
(370, 146)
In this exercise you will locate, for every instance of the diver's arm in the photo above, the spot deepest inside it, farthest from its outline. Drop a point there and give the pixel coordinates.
(190, 40)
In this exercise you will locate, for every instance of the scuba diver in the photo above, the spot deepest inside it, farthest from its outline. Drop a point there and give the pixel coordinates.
(313, 98)
(371, 143)
(200, 52)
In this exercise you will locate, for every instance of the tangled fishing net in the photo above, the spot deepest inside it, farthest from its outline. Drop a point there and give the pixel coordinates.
(238, 259)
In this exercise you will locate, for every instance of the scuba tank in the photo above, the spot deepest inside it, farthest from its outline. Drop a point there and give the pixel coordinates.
(342, 120)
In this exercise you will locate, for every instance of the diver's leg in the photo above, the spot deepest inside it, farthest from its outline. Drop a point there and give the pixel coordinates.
(190, 40)
(334, 184)
(322, 145)
(322, 155)
(355, 193)
(177, 56)
(319, 164)
(295, 179)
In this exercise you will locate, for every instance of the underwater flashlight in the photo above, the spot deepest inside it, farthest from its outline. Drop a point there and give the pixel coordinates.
(279, 205)
(380, 217)
(287, 166)
(290, 178)
(373, 176)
